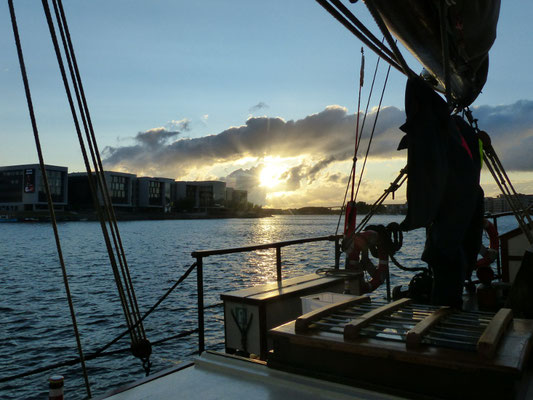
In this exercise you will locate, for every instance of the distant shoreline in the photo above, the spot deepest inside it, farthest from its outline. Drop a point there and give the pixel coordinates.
(70, 216)
(73, 216)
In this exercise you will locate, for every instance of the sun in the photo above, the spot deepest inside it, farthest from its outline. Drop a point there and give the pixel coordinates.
(270, 175)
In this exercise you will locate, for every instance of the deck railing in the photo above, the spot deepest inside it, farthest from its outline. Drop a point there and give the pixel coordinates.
(200, 255)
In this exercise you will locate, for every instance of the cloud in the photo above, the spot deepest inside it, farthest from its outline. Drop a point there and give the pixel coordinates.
(292, 178)
(244, 178)
(320, 146)
(259, 106)
(337, 178)
(329, 133)
(319, 166)
(182, 125)
(511, 130)
(155, 137)
(248, 179)
(327, 194)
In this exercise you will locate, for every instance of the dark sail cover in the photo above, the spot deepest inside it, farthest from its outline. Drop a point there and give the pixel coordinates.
(443, 160)
(443, 192)
(427, 153)
(471, 32)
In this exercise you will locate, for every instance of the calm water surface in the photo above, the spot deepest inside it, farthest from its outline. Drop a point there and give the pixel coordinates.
(35, 327)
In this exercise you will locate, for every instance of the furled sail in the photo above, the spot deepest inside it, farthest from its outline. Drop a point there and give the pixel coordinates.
(470, 32)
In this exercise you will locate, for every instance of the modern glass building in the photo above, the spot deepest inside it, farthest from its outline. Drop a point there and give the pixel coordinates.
(22, 187)
(120, 186)
(201, 194)
(154, 193)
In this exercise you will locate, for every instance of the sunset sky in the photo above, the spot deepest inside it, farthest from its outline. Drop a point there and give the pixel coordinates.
(260, 94)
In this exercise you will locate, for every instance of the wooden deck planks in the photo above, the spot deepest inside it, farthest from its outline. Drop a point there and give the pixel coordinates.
(509, 359)
(352, 329)
(488, 342)
(415, 335)
(303, 322)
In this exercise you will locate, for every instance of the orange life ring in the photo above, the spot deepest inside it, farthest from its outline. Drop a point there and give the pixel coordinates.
(494, 244)
(359, 247)
(484, 272)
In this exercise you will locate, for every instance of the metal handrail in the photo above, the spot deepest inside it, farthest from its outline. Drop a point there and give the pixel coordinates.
(200, 255)
(495, 217)
(207, 253)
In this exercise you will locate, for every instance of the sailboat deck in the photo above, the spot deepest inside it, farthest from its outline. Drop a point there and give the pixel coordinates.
(373, 343)
(219, 376)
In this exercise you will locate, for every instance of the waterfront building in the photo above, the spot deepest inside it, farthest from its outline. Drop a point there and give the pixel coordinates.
(210, 193)
(236, 198)
(198, 194)
(22, 187)
(396, 208)
(183, 195)
(495, 205)
(120, 186)
(499, 204)
(153, 193)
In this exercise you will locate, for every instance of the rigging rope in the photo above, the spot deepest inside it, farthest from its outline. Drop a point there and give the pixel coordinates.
(443, 17)
(152, 309)
(393, 228)
(48, 195)
(364, 30)
(368, 101)
(373, 130)
(407, 269)
(91, 139)
(391, 238)
(395, 185)
(360, 35)
(394, 59)
(358, 140)
(388, 37)
(92, 356)
(344, 202)
(101, 351)
(501, 178)
(361, 83)
(99, 190)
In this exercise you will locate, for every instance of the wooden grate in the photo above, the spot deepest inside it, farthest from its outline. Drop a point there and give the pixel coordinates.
(414, 324)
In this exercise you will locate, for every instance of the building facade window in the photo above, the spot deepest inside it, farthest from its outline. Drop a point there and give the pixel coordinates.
(11, 183)
(119, 189)
(205, 194)
(154, 193)
(55, 181)
(190, 192)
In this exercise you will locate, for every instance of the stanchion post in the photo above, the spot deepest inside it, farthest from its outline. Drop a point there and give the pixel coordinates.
(278, 263)
(200, 288)
(498, 262)
(337, 253)
(56, 383)
(387, 279)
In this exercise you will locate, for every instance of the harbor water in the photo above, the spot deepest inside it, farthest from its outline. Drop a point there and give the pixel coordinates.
(35, 324)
